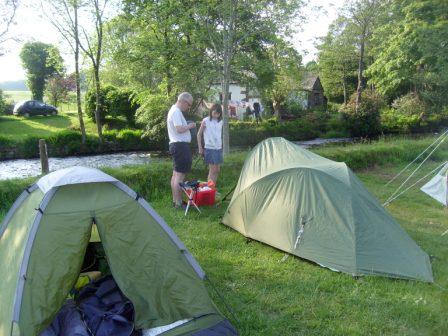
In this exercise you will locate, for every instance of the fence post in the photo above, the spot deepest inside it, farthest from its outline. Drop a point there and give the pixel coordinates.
(43, 156)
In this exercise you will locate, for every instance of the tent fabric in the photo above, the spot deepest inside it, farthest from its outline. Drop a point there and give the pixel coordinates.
(44, 243)
(73, 175)
(317, 209)
(437, 187)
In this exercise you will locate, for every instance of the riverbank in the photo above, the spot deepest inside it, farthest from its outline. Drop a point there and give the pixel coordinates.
(10, 169)
(271, 295)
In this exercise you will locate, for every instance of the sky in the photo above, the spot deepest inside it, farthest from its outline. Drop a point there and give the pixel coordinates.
(31, 27)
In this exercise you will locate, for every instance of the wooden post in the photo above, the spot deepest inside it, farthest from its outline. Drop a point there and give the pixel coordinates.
(43, 156)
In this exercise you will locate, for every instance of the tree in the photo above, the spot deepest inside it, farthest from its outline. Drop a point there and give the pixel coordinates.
(284, 74)
(232, 26)
(8, 10)
(63, 15)
(362, 19)
(312, 67)
(337, 61)
(411, 52)
(58, 88)
(41, 61)
(156, 48)
(92, 45)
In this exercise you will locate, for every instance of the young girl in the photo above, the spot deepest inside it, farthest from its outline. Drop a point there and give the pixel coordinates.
(211, 130)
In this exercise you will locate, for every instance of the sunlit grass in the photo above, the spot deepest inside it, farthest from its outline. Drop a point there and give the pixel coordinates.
(17, 128)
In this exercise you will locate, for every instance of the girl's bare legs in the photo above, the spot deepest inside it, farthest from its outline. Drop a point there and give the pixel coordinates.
(213, 172)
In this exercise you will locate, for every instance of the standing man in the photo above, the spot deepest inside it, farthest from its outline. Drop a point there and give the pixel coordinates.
(180, 138)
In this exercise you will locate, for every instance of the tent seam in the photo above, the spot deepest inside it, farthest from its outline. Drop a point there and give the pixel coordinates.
(18, 297)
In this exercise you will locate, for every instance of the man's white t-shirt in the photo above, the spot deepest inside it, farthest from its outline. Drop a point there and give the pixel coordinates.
(212, 133)
(176, 118)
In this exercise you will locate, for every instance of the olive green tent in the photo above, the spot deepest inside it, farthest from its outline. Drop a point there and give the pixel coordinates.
(44, 237)
(317, 209)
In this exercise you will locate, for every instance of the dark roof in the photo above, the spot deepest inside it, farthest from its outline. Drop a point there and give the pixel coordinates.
(308, 81)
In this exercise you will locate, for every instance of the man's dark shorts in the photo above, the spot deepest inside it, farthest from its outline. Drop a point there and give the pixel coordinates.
(181, 156)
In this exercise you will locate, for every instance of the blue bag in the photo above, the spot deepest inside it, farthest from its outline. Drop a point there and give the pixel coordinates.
(105, 309)
(100, 310)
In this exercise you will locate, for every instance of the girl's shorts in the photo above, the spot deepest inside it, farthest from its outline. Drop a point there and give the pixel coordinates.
(213, 156)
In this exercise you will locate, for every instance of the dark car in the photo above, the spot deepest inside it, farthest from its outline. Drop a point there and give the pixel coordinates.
(34, 107)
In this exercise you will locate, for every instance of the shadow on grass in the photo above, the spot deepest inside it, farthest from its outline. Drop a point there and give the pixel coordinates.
(59, 121)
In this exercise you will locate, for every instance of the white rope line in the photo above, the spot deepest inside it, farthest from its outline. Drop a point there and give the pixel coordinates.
(431, 172)
(416, 169)
(442, 288)
(405, 168)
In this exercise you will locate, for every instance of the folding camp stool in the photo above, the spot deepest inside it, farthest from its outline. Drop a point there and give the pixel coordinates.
(190, 189)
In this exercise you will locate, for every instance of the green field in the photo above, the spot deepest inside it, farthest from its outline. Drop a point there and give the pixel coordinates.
(17, 128)
(17, 96)
(271, 295)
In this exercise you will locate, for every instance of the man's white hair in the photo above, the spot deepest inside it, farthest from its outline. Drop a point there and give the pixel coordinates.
(185, 96)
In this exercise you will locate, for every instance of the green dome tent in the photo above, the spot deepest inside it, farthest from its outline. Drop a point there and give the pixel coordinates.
(44, 237)
(317, 209)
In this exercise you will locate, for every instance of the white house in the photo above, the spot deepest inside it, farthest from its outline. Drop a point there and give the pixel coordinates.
(239, 98)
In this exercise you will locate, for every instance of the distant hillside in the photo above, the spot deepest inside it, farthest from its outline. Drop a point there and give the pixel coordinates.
(14, 86)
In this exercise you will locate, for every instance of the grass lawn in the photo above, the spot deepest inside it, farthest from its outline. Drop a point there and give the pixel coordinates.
(17, 128)
(273, 295)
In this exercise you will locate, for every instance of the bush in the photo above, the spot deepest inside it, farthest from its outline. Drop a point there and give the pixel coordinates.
(5, 142)
(114, 102)
(366, 121)
(2, 103)
(250, 133)
(410, 114)
(295, 108)
(336, 126)
(152, 116)
(122, 103)
(29, 147)
(132, 140)
(6, 108)
(393, 122)
(410, 105)
(90, 102)
(65, 143)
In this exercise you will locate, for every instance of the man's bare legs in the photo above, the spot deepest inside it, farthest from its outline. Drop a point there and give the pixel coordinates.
(177, 178)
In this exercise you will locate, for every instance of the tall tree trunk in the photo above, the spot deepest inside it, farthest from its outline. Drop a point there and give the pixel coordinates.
(360, 70)
(77, 76)
(168, 58)
(96, 67)
(225, 101)
(97, 107)
(344, 88)
(276, 106)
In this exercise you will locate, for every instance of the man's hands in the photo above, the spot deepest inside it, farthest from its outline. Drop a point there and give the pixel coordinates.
(201, 150)
(186, 128)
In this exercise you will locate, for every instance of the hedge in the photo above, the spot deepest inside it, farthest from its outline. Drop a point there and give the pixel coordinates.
(68, 142)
